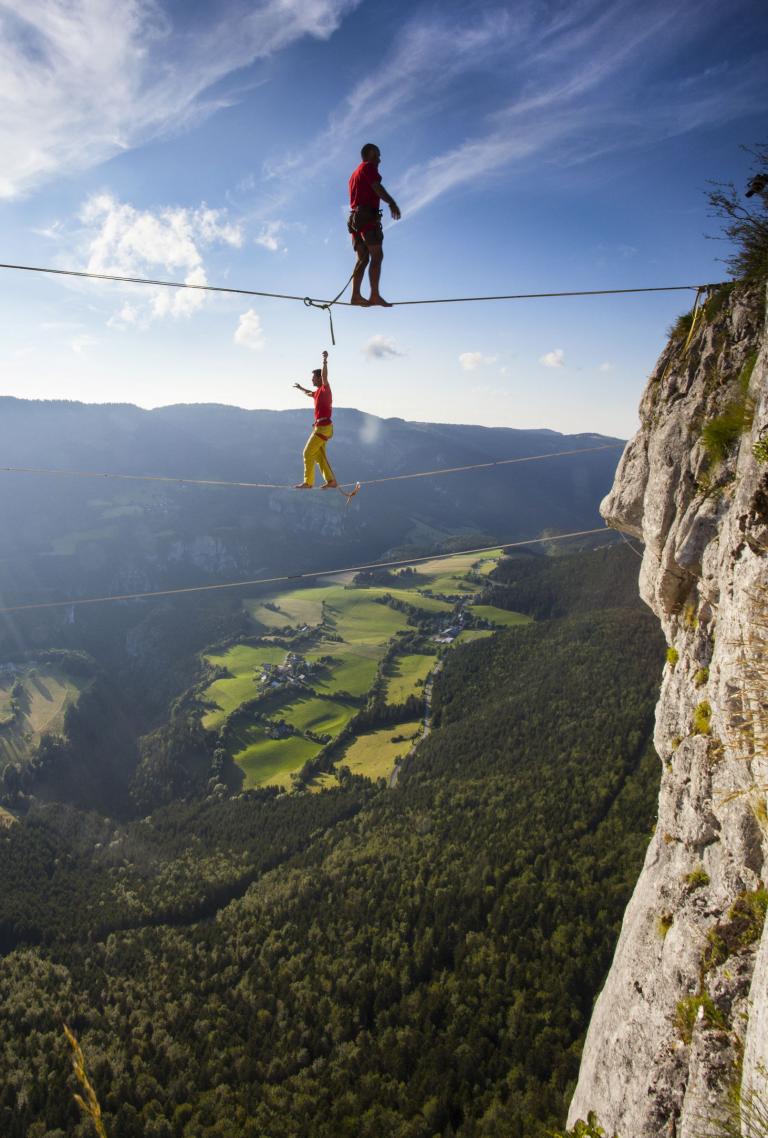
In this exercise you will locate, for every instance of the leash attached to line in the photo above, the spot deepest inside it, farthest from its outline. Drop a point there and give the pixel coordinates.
(327, 305)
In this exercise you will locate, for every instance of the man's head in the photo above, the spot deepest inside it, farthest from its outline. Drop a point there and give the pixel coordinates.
(317, 377)
(370, 152)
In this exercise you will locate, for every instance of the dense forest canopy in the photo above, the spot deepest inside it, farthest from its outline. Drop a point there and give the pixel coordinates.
(412, 962)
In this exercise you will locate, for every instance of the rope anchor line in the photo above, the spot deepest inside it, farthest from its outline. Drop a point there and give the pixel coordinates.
(348, 489)
(311, 575)
(316, 302)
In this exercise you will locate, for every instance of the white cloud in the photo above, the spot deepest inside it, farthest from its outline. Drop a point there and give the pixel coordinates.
(380, 348)
(470, 361)
(81, 80)
(249, 332)
(124, 241)
(554, 358)
(268, 239)
(606, 366)
(81, 344)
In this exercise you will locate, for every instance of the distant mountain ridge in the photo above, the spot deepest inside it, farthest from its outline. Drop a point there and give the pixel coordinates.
(112, 535)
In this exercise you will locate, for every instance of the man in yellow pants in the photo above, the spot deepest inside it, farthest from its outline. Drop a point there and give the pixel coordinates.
(314, 451)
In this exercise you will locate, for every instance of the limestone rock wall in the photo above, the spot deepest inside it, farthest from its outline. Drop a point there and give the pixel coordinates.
(683, 1016)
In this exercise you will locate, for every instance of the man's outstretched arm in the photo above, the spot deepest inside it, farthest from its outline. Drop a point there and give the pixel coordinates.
(394, 208)
(325, 371)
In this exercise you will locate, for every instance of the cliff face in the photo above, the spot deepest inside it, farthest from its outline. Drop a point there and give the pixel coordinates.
(683, 1017)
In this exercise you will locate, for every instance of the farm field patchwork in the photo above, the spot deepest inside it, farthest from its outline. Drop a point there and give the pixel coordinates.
(448, 576)
(352, 628)
(244, 662)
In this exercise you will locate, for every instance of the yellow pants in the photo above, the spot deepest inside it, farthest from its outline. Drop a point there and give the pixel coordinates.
(314, 452)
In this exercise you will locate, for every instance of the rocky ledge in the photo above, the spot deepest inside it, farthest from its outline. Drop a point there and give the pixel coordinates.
(680, 1030)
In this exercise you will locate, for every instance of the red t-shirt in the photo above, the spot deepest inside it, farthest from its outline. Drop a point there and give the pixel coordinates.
(361, 192)
(322, 398)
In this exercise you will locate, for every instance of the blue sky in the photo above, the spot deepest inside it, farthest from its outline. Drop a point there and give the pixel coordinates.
(532, 146)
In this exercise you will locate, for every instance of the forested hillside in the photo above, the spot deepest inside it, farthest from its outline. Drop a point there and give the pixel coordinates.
(411, 962)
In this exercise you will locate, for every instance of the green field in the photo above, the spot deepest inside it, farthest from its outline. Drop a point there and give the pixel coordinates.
(243, 661)
(499, 616)
(408, 670)
(448, 576)
(327, 780)
(323, 716)
(374, 753)
(270, 762)
(296, 607)
(420, 601)
(357, 618)
(353, 670)
(47, 694)
(470, 634)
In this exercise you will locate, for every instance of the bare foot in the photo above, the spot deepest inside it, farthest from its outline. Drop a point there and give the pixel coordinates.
(359, 301)
(379, 300)
(302, 486)
(329, 485)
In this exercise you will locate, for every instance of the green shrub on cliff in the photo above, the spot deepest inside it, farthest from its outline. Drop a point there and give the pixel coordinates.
(746, 223)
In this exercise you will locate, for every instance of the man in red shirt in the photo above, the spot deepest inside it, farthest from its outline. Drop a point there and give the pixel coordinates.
(314, 451)
(364, 225)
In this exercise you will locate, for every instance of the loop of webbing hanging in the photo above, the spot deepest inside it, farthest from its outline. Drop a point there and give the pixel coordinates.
(327, 305)
(696, 311)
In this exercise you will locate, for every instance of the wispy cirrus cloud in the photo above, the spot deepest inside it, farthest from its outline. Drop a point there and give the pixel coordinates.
(582, 90)
(81, 80)
(565, 83)
(428, 59)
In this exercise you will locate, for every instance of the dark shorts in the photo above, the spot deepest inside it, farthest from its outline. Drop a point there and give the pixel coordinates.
(364, 226)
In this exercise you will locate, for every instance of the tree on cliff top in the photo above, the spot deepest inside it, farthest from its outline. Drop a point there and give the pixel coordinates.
(745, 225)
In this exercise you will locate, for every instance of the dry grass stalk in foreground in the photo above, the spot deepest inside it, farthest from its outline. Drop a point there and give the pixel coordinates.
(90, 1104)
